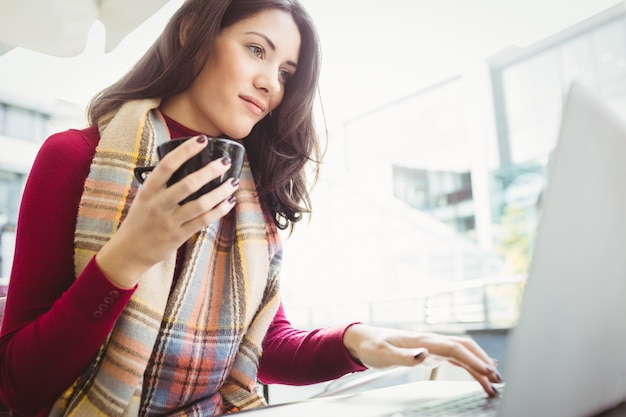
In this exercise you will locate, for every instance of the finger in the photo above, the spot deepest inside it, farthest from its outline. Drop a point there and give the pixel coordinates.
(493, 377)
(419, 355)
(407, 357)
(208, 217)
(474, 348)
(459, 349)
(433, 361)
(484, 382)
(211, 206)
(198, 179)
(382, 354)
(174, 159)
(491, 364)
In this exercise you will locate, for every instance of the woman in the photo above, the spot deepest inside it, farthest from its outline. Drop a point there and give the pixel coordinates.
(124, 302)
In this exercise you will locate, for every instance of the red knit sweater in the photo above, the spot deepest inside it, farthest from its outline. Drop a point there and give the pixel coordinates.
(54, 323)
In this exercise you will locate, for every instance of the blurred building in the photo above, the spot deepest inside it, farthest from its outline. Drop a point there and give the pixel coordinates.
(470, 153)
(528, 90)
(24, 124)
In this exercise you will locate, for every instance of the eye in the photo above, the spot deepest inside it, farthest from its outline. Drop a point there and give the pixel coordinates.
(284, 76)
(256, 50)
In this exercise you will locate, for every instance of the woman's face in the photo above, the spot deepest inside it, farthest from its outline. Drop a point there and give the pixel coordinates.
(243, 79)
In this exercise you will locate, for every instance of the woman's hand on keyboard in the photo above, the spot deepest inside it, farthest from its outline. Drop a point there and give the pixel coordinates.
(378, 347)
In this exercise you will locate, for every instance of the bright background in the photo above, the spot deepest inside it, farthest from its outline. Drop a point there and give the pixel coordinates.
(373, 52)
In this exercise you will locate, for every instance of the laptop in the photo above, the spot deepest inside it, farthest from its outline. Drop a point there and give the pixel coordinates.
(567, 354)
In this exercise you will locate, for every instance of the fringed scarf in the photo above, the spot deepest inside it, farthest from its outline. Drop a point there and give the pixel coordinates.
(188, 346)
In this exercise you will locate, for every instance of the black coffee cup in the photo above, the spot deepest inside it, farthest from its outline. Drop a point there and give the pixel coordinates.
(217, 148)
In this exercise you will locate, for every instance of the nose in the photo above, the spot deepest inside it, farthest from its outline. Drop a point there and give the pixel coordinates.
(267, 81)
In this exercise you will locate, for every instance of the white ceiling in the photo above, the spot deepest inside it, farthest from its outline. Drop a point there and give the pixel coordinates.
(373, 51)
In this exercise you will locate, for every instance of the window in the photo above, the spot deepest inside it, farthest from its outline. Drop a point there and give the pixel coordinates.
(21, 123)
(529, 92)
(10, 193)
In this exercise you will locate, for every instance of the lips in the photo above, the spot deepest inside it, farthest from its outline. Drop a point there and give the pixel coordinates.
(254, 104)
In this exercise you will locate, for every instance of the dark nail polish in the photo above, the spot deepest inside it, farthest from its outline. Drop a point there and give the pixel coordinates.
(495, 391)
(226, 160)
(500, 379)
(201, 139)
(232, 199)
(234, 182)
(418, 356)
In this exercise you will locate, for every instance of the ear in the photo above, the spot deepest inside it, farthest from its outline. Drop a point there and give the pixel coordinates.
(185, 27)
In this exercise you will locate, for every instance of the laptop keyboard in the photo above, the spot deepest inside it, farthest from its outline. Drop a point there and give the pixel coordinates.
(476, 404)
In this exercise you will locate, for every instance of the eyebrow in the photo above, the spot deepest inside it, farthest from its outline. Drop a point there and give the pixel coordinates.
(272, 46)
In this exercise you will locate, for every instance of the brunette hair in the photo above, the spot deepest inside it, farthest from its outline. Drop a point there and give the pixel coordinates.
(281, 145)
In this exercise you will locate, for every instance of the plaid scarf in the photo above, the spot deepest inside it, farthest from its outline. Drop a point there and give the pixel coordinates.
(181, 347)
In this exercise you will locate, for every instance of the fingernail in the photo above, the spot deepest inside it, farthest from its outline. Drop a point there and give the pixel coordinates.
(500, 379)
(495, 391)
(201, 139)
(234, 182)
(226, 160)
(419, 354)
(231, 199)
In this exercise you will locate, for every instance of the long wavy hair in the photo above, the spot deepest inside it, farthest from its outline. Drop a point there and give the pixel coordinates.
(281, 147)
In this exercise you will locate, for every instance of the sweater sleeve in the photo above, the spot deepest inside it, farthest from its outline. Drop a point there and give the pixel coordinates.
(54, 322)
(300, 357)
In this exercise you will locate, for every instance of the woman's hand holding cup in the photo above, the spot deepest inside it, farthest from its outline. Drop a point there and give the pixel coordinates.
(158, 223)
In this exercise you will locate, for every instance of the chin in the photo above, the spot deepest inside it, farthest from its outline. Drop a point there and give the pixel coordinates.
(238, 134)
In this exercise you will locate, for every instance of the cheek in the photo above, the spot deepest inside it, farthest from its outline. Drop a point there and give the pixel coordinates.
(276, 100)
(202, 83)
